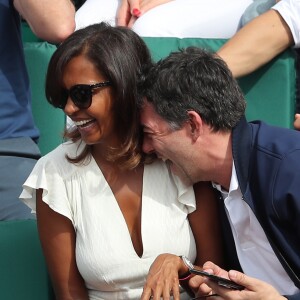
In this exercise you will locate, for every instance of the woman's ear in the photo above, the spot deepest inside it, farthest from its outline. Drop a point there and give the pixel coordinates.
(195, 123)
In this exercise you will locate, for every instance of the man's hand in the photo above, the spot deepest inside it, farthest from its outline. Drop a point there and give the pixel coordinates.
(254, 289)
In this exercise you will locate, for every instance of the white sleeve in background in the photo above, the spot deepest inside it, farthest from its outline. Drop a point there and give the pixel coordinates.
(290, 12)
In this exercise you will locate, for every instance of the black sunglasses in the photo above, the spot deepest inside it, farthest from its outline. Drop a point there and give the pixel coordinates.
(81, 94)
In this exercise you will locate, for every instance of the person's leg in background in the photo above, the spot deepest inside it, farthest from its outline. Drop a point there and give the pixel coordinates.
(17, 158)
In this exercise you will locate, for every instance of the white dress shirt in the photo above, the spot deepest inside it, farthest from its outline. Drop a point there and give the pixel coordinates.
(254, 251)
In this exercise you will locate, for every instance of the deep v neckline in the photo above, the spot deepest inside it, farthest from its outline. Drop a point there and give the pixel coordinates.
(120, 216)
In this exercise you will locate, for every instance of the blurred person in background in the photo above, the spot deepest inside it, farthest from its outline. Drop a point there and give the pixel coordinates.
(51, 21)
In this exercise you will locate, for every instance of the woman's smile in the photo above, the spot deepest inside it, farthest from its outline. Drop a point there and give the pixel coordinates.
(87, 127)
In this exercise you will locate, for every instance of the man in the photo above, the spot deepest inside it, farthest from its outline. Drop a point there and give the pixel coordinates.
(193, 116)
(52, 21)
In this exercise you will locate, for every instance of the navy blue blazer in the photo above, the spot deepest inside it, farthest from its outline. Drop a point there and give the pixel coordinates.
(267, 162)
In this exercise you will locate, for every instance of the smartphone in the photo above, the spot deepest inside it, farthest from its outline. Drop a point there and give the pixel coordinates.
(219, 280)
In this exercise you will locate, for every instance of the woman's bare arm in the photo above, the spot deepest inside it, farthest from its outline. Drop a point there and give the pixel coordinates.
(58, 239)
(205, 224)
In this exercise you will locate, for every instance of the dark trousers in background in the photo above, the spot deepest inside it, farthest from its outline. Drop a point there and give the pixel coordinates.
(17, 159)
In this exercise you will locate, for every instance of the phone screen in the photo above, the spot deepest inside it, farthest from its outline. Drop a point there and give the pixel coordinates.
(219, 280)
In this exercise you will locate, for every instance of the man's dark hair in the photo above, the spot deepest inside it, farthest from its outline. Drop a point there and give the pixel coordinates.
(194, 79)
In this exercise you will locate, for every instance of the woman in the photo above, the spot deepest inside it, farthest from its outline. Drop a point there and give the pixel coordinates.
(103, 216)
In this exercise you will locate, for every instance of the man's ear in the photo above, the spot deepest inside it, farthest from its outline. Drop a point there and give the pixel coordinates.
(195, 123)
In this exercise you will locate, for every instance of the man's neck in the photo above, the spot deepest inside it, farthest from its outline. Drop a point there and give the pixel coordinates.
(223, 160)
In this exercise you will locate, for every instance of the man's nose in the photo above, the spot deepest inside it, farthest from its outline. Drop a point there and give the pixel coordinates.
(147, 146)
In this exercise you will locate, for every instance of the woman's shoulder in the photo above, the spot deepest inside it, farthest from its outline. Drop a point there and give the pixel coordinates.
(159, 172)
(160, 175)
(57, 158)
(58, 155)
(158, 168)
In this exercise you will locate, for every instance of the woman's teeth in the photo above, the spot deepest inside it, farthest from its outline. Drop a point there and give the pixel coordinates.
(83, 122)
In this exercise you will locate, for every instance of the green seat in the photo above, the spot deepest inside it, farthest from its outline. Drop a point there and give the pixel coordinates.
(50, 121)
(269, 91)
(23, 273)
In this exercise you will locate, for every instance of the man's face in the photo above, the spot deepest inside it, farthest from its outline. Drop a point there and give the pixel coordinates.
(169, 145)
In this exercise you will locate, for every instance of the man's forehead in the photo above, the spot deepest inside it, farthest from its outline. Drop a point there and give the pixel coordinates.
(148, 113)
(150, 119)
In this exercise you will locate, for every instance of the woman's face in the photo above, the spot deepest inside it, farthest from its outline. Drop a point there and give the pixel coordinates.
(95, 123)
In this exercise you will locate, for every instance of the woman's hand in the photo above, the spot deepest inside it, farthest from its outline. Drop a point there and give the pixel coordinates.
(254, 289)
(124, 12)
(130, 10)
(162, 280)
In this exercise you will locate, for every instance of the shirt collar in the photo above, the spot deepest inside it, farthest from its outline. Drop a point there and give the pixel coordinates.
(234, 184)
